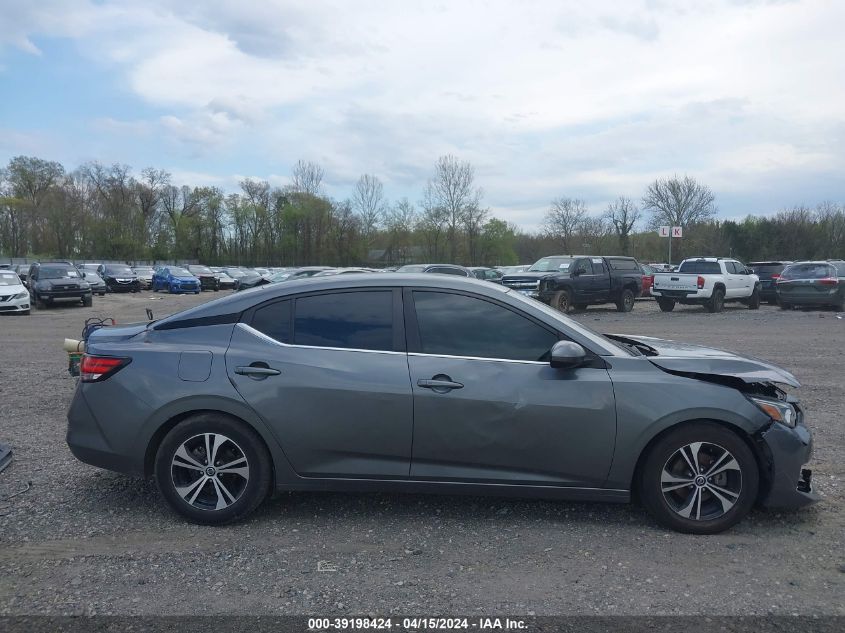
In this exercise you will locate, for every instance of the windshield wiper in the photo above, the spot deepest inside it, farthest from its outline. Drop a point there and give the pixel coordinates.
(634, 344)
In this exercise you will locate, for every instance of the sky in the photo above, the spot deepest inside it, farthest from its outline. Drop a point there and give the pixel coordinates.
(588, 100)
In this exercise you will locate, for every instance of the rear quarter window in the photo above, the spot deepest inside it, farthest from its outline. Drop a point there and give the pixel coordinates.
(622, 264)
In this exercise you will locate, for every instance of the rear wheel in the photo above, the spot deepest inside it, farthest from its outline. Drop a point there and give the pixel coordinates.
(626, 301)
(717, 301)
(212, 469)
(561, 300)
(700, 478)
(785, 306)
(666, 305)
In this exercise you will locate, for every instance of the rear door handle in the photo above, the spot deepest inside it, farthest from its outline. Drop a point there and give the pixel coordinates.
(440, 384)
(257, 371)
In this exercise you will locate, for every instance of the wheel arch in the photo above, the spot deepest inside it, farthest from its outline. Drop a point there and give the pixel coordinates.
(756, 449)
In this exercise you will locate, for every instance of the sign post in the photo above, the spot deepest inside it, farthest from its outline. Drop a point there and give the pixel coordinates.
(670, 232)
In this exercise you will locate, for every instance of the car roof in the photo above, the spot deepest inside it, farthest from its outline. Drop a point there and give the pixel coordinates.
(240, 301)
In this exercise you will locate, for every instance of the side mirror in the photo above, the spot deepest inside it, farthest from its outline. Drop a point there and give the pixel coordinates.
(567, 355)
(749, 271)
(84, 275)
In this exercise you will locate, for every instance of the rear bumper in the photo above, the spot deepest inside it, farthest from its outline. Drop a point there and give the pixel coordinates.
(682, 296)
(89, 443)
(804, 299)
(788, 452)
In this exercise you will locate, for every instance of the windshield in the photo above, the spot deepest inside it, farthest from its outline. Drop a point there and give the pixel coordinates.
(54, 272)
(180, 272)
(9, 279)
(700, 268)
(235, 273)
(203, 270)
(808, 271)
(551, 264)
(143, 270)
(119, 271)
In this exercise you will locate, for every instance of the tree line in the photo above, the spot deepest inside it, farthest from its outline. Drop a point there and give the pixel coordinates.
(108, 212)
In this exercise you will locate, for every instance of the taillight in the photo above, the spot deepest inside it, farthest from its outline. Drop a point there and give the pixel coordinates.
(775, 277)
(98, 368)
(700, 282)
(829, 281)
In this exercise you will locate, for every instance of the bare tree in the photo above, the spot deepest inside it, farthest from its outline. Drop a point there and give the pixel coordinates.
(452, 189)
(678, 202)
(623, 214)
(369, 203)
(563, 219)
(307, 177)
(399, 221)
(474, 219)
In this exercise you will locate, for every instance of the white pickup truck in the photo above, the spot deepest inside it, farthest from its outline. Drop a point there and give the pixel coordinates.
(707, 281)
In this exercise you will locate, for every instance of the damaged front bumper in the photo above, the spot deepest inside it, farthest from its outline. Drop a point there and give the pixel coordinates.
(787, 451)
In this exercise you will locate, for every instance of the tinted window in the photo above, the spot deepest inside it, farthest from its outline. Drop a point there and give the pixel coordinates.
(701, 268)
(445, 270)
(56, 272)
(274, 320)
(584, 266)
(808, 271)
(765, 271)
(360, 320)
(458, 325)
(622, 264)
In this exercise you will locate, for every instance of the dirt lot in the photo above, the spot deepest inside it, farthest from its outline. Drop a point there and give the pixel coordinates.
(75, 539)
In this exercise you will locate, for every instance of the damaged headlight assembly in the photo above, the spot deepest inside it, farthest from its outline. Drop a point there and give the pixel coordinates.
(777, 410)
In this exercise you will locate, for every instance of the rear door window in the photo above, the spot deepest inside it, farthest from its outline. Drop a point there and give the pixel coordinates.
(352, 320)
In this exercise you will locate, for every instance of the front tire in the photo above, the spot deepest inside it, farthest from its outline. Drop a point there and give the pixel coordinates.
(88, 301)
(700, 478)
(754, 301)
(666, 305)
(562, 301)
(213, 469)
(626, 301)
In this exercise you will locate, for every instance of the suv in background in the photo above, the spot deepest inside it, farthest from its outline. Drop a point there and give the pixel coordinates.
(707, 281)
(813, 283)
(57, 281)
(119, 278)
(768, 273)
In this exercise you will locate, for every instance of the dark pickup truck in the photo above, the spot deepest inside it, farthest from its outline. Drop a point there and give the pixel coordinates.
(572, 282)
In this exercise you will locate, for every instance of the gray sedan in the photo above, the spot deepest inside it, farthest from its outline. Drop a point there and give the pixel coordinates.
(433, 383)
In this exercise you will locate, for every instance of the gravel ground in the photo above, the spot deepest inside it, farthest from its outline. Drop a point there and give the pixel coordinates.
(78, 540)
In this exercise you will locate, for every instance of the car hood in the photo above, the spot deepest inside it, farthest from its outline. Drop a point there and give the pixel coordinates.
(13, 290)
(703, 362)
(64, 281)
(526, 276)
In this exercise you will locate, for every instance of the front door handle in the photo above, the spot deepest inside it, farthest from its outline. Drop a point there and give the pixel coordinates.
(257, 371)
(439, 383)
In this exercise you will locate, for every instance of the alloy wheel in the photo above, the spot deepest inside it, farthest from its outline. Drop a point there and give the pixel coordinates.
(701, 481)
(209, 471)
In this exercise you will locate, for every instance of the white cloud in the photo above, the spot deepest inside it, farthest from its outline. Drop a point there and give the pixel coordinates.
(545, 98)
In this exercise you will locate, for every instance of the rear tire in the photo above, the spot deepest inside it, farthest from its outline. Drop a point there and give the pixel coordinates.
(666, 305)
(695, 502)
(182, 469)
(785, 306)
(717, 301)
(562, 301)
(626, 301)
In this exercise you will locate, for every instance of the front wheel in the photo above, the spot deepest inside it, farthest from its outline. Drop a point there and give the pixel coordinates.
(88, 301)
(213, 469)
(626, 301)
(700, 478)
(562, 300)
(754, 301)
(666, 305)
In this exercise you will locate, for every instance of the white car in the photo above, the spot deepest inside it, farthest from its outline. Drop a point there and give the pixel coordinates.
(14, 297)
(707, 281)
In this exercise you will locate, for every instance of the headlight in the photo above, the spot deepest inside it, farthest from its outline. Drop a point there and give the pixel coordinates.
(84, 285)
(777, 410)
(21, 295)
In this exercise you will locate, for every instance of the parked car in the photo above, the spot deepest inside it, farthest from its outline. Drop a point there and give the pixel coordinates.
(119, 278)
(648, 279)
(208, 279)
(98, 286)
(442, 269)
(419, 367)
(576, 281)
(145, 276)
(14, 296)
(707, 281)
(487, 274)
(175, 279)
(813, 283)
(341, 271)
(224, 281)
(768, 274)
(22, 271)
(52, 282)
